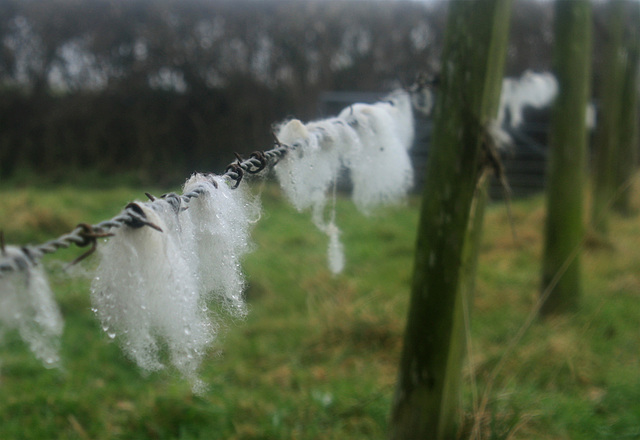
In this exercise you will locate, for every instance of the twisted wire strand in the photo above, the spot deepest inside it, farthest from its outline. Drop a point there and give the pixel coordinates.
(21, 258)
(85, 234)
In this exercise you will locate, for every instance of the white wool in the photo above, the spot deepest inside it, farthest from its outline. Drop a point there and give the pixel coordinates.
(422, 101)
(381, 172)
(335, 253)
(306, 172)
(372, 141)
(342, 140)
(28, 306)
(146, 294)
(501, 138)
(398, 105)
(221, 218)
(536, 90)
(336, 135)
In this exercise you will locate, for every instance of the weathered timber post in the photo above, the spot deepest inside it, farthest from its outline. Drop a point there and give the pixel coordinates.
(627, 161)
(606, 137)
(564, 228)
(427, 399)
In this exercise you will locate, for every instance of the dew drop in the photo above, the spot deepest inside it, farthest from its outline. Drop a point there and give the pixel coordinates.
(51, 361)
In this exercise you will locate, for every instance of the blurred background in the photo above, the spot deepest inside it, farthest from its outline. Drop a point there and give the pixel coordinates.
(100, 98)
(152, 90)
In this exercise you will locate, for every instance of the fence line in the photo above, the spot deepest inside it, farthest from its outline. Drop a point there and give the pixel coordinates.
(152, 289)
(87, 235)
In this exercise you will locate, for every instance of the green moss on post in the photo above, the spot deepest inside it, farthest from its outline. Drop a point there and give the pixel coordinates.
(627, 160)
(567, 168)
(606, 138)
(426, 404)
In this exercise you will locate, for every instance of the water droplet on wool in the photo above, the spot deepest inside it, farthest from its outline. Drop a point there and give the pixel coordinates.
(112, 335)
(158, 282)
(51, 361)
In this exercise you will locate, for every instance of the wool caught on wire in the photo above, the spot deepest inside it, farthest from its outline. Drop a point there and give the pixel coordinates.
(399, 105)
(370, 140)
(145, 292)
(221, 220)
(341, 144)
(170, 259)
(306, 173)
(533, 89)
(163, 284)
(381, 171)
(27, 305)
(311, 168)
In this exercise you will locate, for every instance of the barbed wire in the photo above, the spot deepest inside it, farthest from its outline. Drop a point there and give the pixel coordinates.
(20, 258)
(23, 257)
(130, 299)
(132, 215)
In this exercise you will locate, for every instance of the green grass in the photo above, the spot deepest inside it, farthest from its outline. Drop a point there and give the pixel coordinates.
(317, 356)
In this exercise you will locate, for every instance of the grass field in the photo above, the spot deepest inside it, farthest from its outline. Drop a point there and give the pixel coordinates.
(317, 356)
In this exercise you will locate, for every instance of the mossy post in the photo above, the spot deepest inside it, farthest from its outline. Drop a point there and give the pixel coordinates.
(427, 398)
(564, 228)
(627, 160)
(606, 137)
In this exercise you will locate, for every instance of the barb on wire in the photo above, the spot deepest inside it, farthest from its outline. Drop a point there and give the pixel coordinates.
(259, 162)
(138, 218)
(90, 236)
(235, 172)
(175, 201)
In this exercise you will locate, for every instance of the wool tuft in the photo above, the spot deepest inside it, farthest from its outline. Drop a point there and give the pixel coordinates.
(145, 293)
(381, 173)
(370, 141)
(221, 219)
(27, 305)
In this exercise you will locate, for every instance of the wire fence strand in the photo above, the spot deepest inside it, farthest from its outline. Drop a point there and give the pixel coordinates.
(84, 235)
(87, 235)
